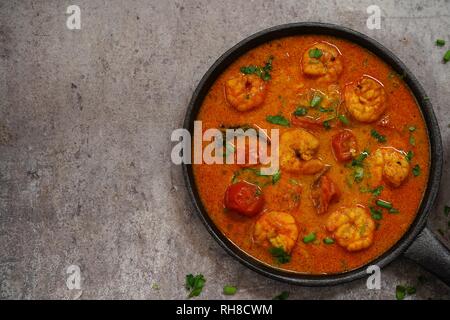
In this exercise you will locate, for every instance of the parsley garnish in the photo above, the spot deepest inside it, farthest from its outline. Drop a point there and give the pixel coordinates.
(412, 140)
(416, 170)
(309, 238)
(229, 290)
(381, 138)
(402, 291)
(375, 213)
(440, 42)
(282, 296)
(322, 109)
(358, 174)
(276, 176)
(375, 192)
(409, 156)
(315, 53)
(316, 100)
(280, 255)
(195, 284)
(300, 112)
(279, 120)
(357, 164)
(262, 72)
(447, 56)
(393, 210)
(358, 161)
(344, 119)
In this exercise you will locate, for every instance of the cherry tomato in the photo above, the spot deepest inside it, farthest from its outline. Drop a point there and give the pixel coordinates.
(244, 198)
(324, 193)
(344, 145)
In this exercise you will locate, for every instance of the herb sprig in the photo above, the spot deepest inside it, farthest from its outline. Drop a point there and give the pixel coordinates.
(262, 72)
(280, 255)
(381, 138)
(279, 120)
(194, 284)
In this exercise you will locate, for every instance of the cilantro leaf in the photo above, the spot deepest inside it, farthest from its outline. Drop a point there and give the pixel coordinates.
(194, 284)
(279, 120)
(280, 255)
(262, 72)
(276, 176)
(381, 138)
(282, 296)
(416, 170)
(315, 53)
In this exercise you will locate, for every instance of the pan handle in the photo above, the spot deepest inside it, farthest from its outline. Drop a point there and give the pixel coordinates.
(429, 252)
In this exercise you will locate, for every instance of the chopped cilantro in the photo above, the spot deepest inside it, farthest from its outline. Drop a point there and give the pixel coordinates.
(194, 284)
(278, 119)
(416, 170)
(381, 138)
(309, 238)
(282, 296)
(280, 255)
(315, 53)
(300, 112)
(229, 290)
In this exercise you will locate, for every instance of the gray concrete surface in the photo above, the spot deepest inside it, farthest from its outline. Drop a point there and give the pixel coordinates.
(85, 121)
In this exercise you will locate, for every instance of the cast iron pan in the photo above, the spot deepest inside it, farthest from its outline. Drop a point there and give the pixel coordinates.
(418, 243)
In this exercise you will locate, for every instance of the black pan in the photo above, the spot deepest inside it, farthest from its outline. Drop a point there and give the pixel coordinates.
(417, 244)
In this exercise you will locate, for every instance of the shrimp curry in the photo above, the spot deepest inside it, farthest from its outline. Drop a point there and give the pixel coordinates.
(353, 155)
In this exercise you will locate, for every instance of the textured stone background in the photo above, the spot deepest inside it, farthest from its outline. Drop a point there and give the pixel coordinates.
(85, 121)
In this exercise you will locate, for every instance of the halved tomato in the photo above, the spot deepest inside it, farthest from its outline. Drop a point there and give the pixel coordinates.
(244, 198)
(344, 145)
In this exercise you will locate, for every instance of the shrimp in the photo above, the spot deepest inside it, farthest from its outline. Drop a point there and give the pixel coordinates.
(245, 92)
(276, 229)
(352, 228)
(322, 61)
(297, 149)
(365, 100)
(390, 164)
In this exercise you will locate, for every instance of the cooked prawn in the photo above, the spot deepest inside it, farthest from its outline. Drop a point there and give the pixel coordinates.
(276, 229)
(297, 149)
(245, 92)
(323, 61)
(365, 100)
(390, 164)
(353, 228)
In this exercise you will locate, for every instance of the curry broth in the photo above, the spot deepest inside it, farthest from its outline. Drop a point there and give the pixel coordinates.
(282, 97)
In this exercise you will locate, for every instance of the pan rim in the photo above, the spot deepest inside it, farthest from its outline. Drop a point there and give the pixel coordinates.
(436, 154)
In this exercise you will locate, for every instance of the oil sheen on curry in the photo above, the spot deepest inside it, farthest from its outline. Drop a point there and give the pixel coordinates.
(353, 152)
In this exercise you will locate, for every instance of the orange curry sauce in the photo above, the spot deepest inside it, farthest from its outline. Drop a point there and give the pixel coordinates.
(284, 89)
